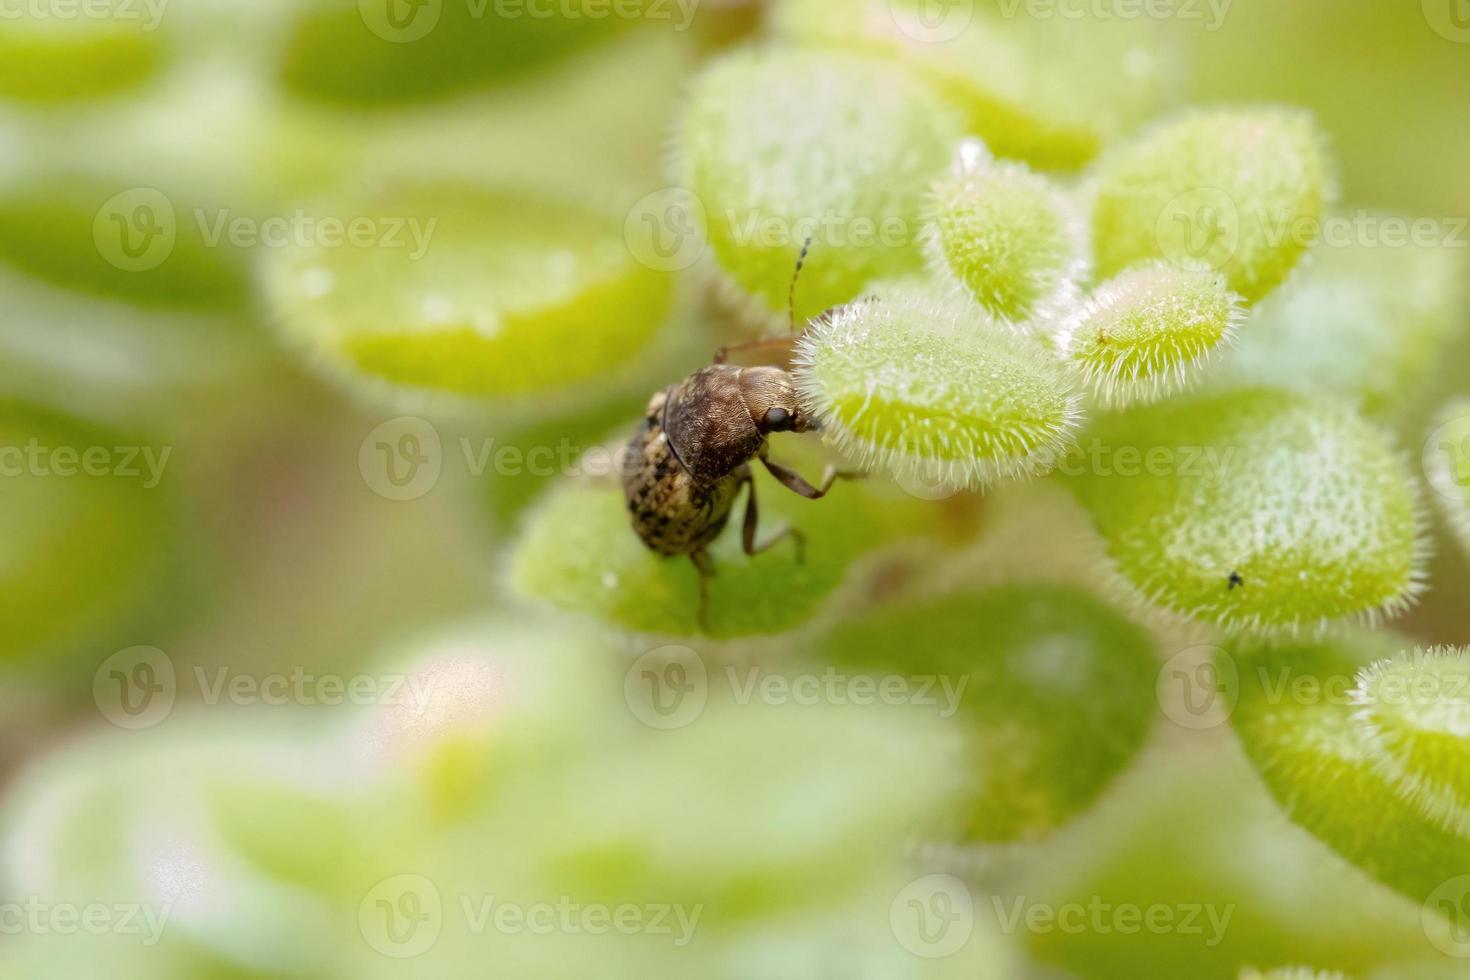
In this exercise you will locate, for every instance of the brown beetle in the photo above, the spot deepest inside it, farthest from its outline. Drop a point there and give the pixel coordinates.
(691, 458)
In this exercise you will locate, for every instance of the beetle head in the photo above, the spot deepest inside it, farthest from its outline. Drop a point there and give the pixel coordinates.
(770, 398)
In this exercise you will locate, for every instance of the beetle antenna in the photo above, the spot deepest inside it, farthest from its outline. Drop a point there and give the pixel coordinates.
(791, 292)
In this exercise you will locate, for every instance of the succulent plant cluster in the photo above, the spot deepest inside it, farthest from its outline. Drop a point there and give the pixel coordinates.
(1115, 392)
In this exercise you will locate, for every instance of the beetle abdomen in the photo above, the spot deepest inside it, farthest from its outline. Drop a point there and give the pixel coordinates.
(673, 513)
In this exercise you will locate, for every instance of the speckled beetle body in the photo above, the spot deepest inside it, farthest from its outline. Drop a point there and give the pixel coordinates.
(691, 458)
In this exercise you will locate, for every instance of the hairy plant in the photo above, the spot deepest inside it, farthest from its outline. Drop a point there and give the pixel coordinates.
(1005, 234)
(1226, 187)
(1128, 409)
(1150, 331)
(782, 145)
(929, 388)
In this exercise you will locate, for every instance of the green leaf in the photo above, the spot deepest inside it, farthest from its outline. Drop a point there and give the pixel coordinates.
(50, 53)
(1052, 694)
(1150, 331)
(1376, 324)
(769, 865)
(1191, 826)
(569, 436)
(369, 53)
(1295, 719)
(927, 387)
(1446, 460)
(579, 552)
(485, 294)
(1050, 91)
(1413, 713)
(72, 231)
(1005, 234)
(1229, 188)
(84, 521)
(779, 145)
(1256, 509)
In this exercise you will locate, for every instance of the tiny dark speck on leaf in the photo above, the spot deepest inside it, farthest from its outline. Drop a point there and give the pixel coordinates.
(1235, 580)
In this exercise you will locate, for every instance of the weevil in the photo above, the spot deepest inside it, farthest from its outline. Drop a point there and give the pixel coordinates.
(692, 456)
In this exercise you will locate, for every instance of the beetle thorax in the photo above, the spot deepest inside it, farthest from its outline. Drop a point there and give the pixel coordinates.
(708, 422)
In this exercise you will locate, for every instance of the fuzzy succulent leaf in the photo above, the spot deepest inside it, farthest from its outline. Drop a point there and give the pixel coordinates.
(49, 54)
(438, 50)
(493, 296)
(579, 553)
(926, 386)
(1413, 714)
(1379, 325)
(1004, 233)
(1295, 719)
(1050, 91)
(1150, 331)
(54, 230)
(1052, 693)
(1258, 509)
(1229, 188)
(780, 145)
(1446, 460)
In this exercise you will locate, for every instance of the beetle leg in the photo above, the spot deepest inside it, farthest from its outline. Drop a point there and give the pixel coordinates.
(794, 481)
(706, 569)
(752, 520)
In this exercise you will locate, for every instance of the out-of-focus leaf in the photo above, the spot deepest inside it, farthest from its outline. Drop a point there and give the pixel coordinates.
(1051, 691)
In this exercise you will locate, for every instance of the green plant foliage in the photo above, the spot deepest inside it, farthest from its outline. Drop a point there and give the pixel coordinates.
(1051, 690)
(368, 53)
(1447, 466)
(928, 387)
(50, 54)
(1376, 324)
(780, 145)
(1256, 509)
(1005, 234)
(1295, 719)
(1051, 92)
(579, 552)
(487, 295)
(267, 848)
(1195, 829)
(1414, 716)
(508, 494)
(1291, 973)
(79, 548)
(1230, 188)
(51, 228)
(1150, 331)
